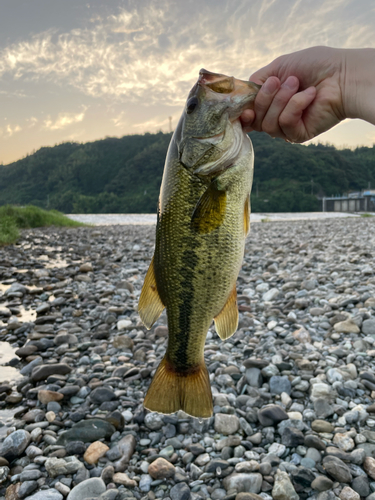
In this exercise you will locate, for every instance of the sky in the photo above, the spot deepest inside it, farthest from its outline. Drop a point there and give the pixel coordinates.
(73, 70)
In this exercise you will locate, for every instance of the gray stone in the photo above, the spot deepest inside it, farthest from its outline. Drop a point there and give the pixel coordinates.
(368, 327)
(361, 485)
(337, 469)
(44, 371)
(283, 488)
(271, 415)
(15, 444)
(50, 494)
(180, 491)
(322, 483)
(26, 488)
(226, 424)
(243, 482)
(154, 421)
(62, 466)
(90, 488)
(254, 377)
(87, 431)
(279, 385)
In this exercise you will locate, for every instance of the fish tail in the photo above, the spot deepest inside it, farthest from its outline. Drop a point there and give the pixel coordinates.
(189, 391)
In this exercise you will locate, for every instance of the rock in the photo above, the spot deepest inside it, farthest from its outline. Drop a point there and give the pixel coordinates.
(248, 496)
(180, 491)
(312, 441)
(50, 494)
(46, 396)
(369, 466)
(101, 395)
(126, 446)
(86, 267)
(279, 385)
(323, 408)
(348, 494)
(243, 482)
(347, 326)
(60, 466)
(344, 441)
(283, 488)
(87, 431)
(271, 415)
(124, 479)
(90, 488)
(44, 371)
(226, 424)
(26, 488)
(368, 327)
(322, 483)
(161, 469)
(95, 451)
(292, 437)
(270, 295)
(360, 484)
(154, 421)
(15, 444)
(337, 469)
(321, 426)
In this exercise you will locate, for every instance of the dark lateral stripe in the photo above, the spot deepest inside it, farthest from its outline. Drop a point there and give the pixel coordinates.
(190, 259)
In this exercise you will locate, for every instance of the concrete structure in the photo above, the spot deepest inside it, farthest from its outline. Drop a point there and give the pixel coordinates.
(360, 203)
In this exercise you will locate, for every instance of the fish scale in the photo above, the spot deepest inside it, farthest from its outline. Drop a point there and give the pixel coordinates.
(201, 229)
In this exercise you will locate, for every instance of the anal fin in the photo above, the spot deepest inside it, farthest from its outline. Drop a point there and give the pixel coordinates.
(150, 305)
(226, 321)
(189, 391)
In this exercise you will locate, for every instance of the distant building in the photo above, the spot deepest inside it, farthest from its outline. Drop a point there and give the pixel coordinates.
(361, 201)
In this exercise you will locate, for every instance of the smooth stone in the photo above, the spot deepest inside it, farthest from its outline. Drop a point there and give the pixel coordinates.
(283, 488)
(271, 415)
(94, 452)
(15, 444)
(90, 488)
(161, 469)
(226, 424)
(322, 483)
(278, 385)
(180, 491)
(44, 371)
(251, 482)
(61, 466)
(50, 494)
(87, 431)
(337, 469)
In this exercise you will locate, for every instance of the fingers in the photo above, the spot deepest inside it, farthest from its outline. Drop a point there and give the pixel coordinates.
(270, 121)
(264, 100)
(290, 120)
(247, 119)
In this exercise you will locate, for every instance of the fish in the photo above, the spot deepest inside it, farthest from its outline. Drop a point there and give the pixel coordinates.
(202, 221)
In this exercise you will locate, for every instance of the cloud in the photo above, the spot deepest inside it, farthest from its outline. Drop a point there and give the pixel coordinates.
(151, 54)
(9, 130)
(63, 120)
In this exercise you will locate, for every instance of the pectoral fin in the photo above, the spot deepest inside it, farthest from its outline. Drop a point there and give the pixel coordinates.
(226, 321)
(210, 210)
(150, 305)
(246, 216)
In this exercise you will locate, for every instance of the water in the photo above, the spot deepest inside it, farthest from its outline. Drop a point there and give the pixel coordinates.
(7, 373)
(150, 219)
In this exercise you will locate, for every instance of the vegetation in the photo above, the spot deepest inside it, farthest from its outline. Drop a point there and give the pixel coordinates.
(14, 218)
(123, 175)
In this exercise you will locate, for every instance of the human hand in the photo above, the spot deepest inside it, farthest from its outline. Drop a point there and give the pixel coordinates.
(301, 96)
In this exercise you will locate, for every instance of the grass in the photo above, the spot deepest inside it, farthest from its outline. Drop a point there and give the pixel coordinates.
(366, 215)
(14, 218)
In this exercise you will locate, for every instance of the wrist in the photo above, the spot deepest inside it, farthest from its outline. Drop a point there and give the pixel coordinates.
(358, 84)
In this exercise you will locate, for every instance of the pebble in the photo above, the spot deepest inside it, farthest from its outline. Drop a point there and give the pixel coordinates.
(292, 389)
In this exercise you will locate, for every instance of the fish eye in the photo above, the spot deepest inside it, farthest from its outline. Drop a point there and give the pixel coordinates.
(191, 105)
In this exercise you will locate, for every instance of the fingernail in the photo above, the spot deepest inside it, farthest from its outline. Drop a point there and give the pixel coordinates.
(270, 86)
(291, 83)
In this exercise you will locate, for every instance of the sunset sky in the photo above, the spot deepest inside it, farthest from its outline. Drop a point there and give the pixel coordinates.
(73, 70)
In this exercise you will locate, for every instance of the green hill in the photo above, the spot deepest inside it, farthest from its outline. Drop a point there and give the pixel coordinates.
(123, 175)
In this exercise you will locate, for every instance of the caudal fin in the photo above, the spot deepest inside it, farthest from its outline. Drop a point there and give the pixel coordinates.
(171, 391)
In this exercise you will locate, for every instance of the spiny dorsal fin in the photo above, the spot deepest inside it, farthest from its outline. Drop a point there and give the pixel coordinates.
(150, 305)
(171, 391)
(226, 321)
(246, 216)
(210, 210)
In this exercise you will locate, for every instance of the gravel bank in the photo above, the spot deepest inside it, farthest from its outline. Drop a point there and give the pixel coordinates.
(293, 388)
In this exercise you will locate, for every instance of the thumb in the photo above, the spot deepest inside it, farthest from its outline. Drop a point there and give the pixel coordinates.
(261, 75)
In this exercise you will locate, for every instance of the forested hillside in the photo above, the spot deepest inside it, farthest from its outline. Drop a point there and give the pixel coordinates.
(123, 175)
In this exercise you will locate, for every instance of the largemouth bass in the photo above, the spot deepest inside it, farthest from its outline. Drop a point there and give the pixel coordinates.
(203, 220)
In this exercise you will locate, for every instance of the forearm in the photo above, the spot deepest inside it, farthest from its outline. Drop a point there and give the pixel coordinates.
(359, 84)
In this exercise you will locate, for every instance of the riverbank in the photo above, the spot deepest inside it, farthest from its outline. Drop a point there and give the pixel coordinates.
(293, 389)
